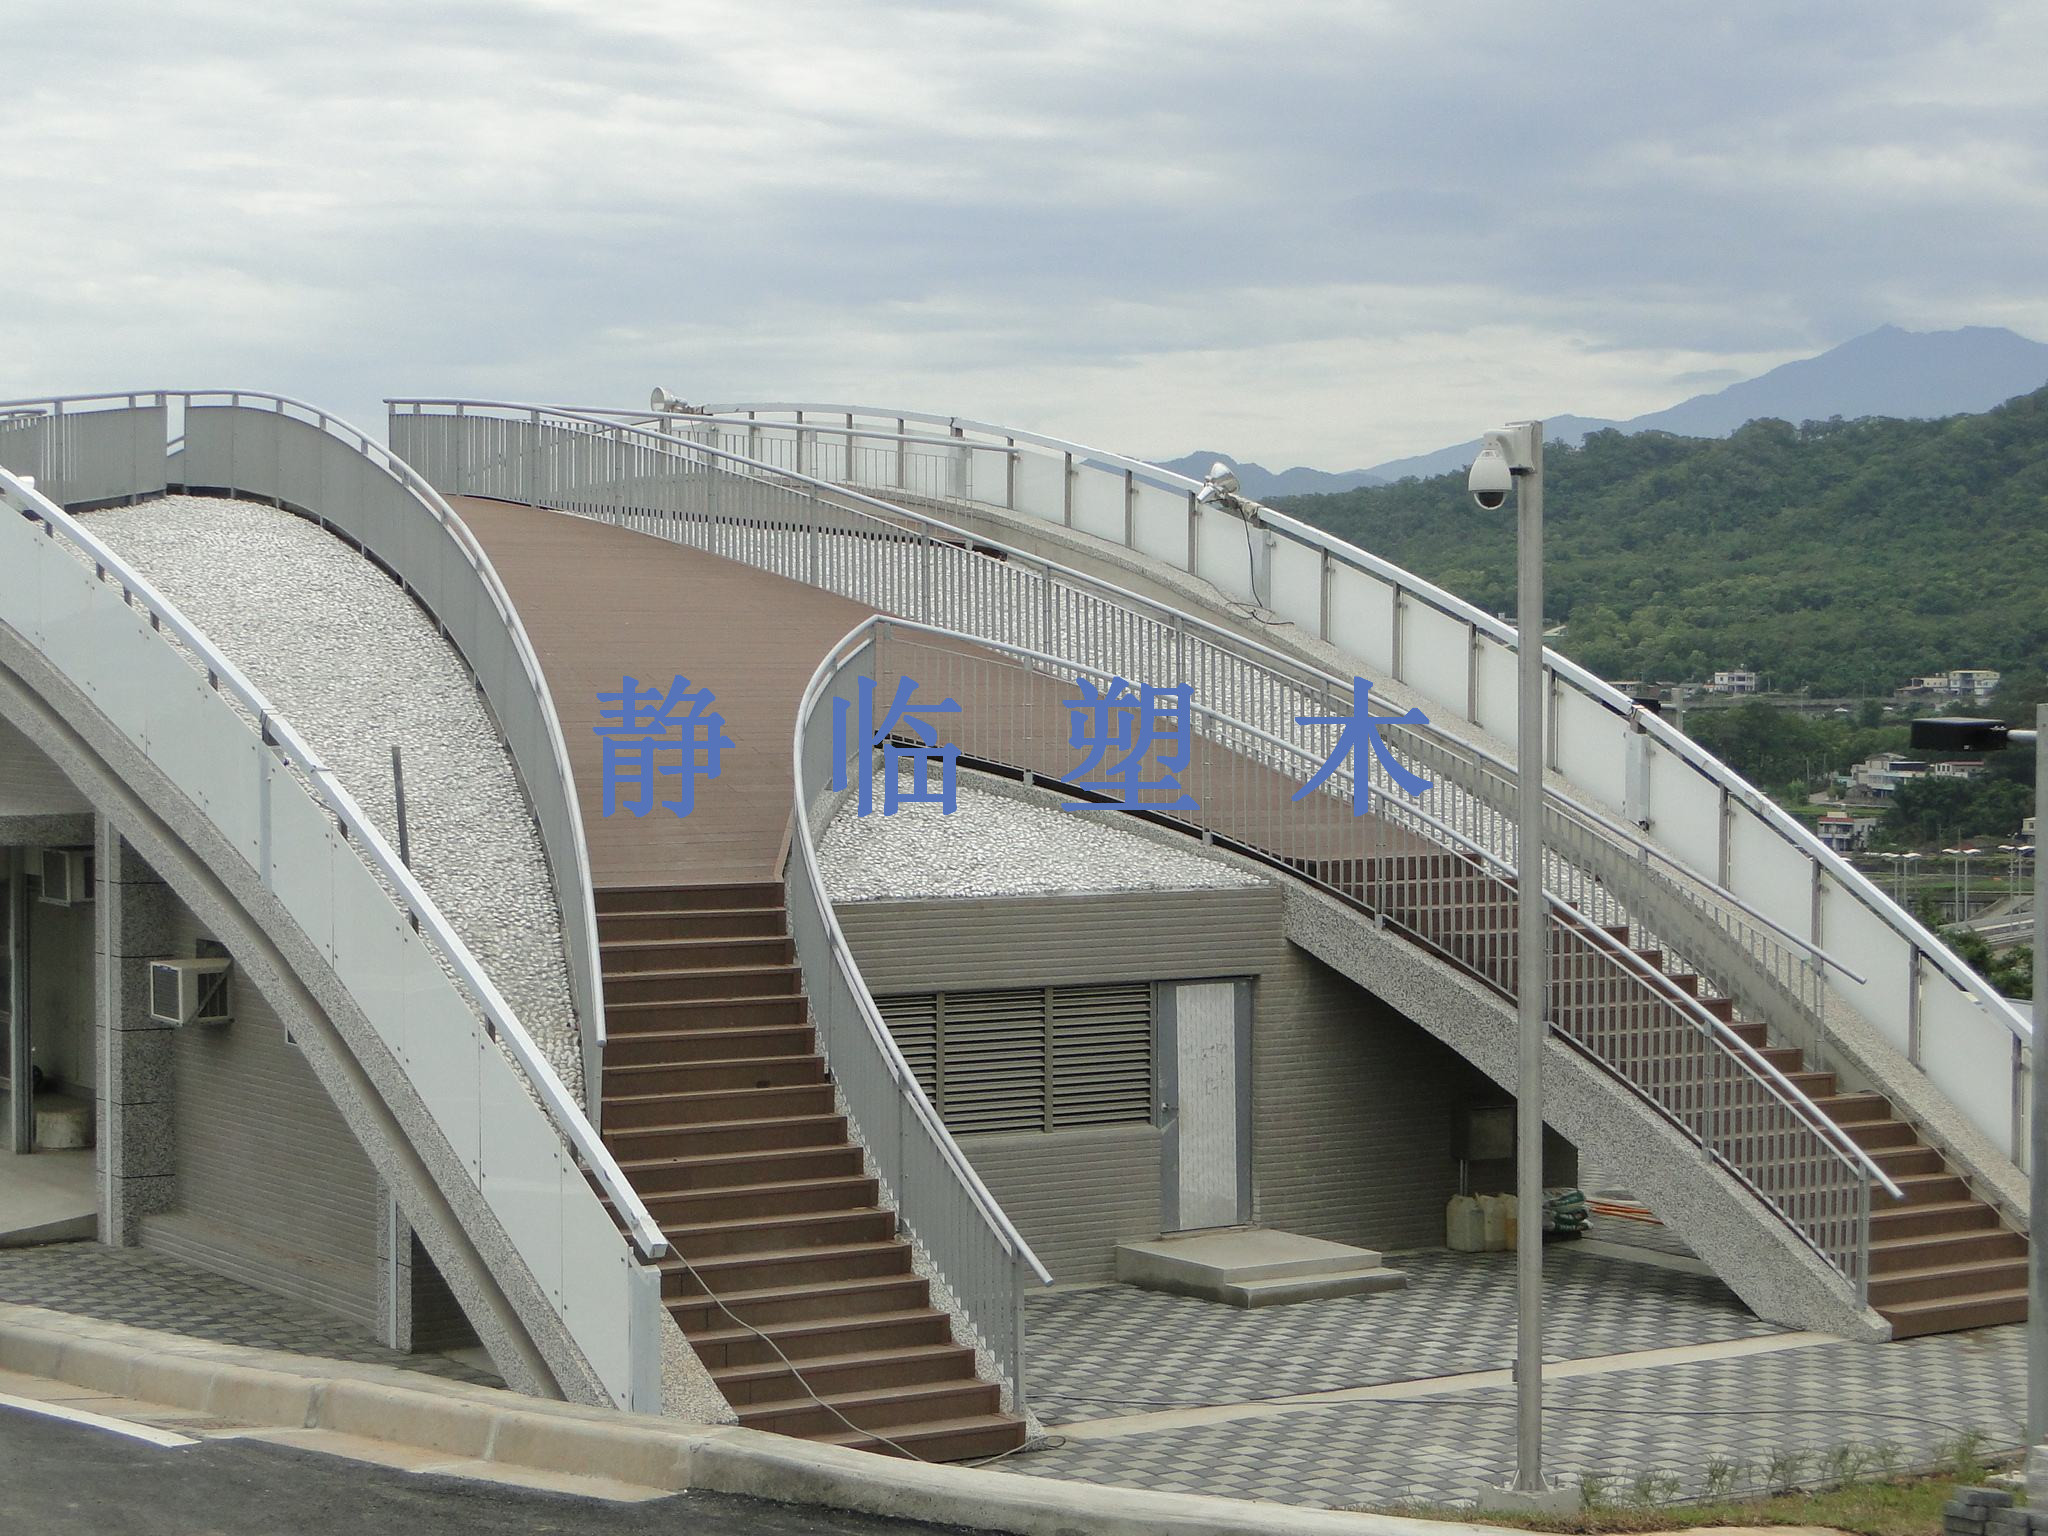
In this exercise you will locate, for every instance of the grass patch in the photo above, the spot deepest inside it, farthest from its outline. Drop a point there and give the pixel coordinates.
(1865, 1498)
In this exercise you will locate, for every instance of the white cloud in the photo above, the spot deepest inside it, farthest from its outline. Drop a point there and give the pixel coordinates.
(1311, 229)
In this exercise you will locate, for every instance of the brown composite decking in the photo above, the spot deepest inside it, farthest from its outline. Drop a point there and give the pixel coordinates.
(600, 603)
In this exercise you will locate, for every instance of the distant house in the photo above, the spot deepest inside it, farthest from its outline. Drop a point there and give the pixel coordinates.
(1879, 776)
(1959, 768)
(1845, 833)
(1738, 680)
(1973, 683)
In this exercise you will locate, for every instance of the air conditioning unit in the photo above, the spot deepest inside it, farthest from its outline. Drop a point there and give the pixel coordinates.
(67, 876)
(190, 991)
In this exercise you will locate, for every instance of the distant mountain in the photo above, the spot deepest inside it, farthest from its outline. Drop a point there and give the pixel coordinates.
(1890, 372)
(1261, 483)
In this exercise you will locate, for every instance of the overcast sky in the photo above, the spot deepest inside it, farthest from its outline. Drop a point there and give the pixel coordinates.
(1320, 231)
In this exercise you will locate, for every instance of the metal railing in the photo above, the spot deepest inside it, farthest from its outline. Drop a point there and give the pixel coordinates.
(1414, 875)
(943, 1203)
(1723, 832)
(505, 1114)
(710, 498)
(912, 564)
(94, 448)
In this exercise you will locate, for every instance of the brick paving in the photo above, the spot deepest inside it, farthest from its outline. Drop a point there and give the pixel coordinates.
(1106, 1351)
(1112, 1351)
(152, 1290)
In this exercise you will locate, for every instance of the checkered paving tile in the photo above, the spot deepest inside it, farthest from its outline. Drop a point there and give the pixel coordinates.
(1781, 1415)
(1110, 1351)
(153, 1290)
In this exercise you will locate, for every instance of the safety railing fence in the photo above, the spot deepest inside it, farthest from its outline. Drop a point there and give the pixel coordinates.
(94, 448)
(1898, 975)
(980, 1257)
(520, 1138)
(686, 488)
(1245, 787)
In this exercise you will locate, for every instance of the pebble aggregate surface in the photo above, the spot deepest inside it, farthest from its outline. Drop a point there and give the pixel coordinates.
(356, 666)
(994, 845)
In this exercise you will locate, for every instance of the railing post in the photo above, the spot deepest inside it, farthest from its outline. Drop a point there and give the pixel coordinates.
(1194, 541)
(1863, 1241)
(1010, 473)
(1018, 1400)
(1130, 510)
(1913, 1004)
(902, 456)
(1067, 492)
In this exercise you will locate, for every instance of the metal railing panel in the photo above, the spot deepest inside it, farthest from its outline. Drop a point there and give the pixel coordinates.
(282, 450)
(430, 1007)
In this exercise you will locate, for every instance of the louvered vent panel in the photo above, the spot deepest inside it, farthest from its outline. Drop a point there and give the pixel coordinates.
(994, 1044)
(1101, 1055)
(914, 1022)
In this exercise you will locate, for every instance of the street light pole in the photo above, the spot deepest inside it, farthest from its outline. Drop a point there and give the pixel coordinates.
(1515, 457)
(1533, 971)
(2037, 1141)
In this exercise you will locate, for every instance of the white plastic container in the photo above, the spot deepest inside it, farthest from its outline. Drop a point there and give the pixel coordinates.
(1464, 1225)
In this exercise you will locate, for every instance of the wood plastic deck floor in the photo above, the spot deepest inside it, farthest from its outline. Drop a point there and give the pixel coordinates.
(600, 603)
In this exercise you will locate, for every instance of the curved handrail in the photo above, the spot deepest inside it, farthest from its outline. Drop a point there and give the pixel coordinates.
(1785, 826)
(802, 847)
(579, 884)
(1305, 672)
(1564, 917)
(277, 735)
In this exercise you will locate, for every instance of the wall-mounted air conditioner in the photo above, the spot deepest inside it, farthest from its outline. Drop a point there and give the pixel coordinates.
(190, 991)
(66, 876)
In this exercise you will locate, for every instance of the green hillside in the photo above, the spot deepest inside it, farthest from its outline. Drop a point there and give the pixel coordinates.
(1840, 556)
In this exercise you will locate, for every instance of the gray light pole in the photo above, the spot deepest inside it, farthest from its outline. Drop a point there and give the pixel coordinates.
(1514, 457)
(2037, 1141)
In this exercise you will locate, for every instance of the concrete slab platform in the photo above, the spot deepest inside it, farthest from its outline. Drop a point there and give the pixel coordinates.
(46, 1197)
(1253, 1267)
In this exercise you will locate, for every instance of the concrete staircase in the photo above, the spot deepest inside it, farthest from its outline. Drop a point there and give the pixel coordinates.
(1941, 1259)
(786, 1275)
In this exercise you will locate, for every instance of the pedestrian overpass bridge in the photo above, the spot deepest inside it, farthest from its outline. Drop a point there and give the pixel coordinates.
(1794, 1073)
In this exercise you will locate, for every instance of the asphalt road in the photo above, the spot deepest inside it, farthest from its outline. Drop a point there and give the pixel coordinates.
(59, 1479)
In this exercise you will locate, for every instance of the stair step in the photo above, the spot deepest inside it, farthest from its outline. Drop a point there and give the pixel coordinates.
(734, 923)
(1846, 1109)
(975, 1438)
(633, 1144)
(877, 1410)
(784, 1268)
(1913, 1158)
(732, 1074)
(1934, 1219)
(1894, 1255)
(1914, 1319)
(657, 1176)
(734, 1202)
(719, 1043)
(780, 1234)
(687, 898)
(701, 983)
(1937, 1188)
(632, 957)
(1872, 1135)
(807, 1315)
(827, 1375)
(682, 1111)
(1753, 1034)
(625, 1021)
(810, 1338)
(1947, 1282)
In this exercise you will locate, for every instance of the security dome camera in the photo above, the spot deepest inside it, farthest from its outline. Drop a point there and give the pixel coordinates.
(1491, 478)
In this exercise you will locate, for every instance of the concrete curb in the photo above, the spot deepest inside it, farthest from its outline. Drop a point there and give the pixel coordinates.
(272, 1389)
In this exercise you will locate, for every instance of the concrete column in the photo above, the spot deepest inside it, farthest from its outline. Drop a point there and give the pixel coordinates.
(395, 1246)
(133, 1069)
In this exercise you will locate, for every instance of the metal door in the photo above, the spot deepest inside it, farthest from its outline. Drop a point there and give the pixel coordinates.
(1204, 1074)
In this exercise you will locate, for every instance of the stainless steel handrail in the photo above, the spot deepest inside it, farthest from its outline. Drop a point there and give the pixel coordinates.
(803, 847)
(1303, 672)
(436, 506)
(277, 734)
(1785, 826)
(1845, 1149)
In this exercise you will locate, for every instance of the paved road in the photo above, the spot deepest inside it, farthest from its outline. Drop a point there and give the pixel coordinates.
(59, 1479)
